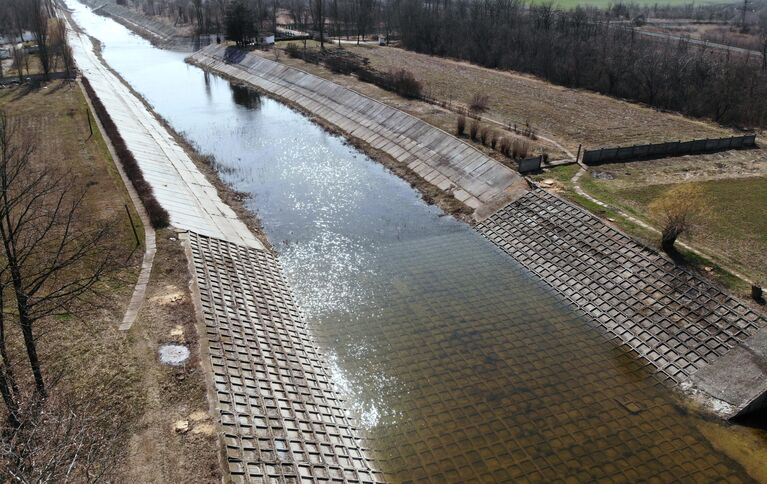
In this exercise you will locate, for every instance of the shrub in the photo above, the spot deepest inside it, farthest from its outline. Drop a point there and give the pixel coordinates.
(680, 209)
(520, 149)
(473, 130)
(484, 135)
(405, 84)
(479, 103)
(493, 139)
(503, 146)
(158, 216)
(460, 126)
(293, 51)
(342, 65)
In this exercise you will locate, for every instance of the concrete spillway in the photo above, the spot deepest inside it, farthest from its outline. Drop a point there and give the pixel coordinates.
(464, 365)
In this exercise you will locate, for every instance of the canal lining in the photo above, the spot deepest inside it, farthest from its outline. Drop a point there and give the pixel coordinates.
(671, 317)
(281, 417)
(440, 159)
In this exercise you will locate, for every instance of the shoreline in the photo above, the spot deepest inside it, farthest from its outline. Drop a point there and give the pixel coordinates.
(204, 163)
(428, 192)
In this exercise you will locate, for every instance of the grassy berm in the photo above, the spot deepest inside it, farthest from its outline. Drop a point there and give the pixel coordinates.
(88, 362)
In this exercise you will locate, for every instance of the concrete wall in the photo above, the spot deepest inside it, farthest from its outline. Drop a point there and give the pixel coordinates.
(662, 150)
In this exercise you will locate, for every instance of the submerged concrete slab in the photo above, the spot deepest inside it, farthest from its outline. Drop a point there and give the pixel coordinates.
(281, 418)
(191, 201)
(739, 378)
(480, 179)
(689, 330)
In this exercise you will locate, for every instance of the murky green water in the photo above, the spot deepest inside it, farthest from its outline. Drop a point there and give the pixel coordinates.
(459, 364)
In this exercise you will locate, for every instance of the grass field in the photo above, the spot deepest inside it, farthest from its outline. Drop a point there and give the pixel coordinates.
(115, 374)
(571, 116)
(734, 223)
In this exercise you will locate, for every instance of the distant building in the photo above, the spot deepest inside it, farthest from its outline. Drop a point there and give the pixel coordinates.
(266, 39)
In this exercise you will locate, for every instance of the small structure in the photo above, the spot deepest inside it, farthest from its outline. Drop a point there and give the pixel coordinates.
(266, 39)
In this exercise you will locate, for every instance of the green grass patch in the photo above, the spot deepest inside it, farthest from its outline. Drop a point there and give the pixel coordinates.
(560, 173)
(734, 223)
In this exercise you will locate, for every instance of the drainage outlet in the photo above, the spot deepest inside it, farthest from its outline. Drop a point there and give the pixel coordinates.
(173, 355)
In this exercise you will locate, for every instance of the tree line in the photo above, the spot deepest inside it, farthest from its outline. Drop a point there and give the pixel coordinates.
(582, 50)
(49, 34)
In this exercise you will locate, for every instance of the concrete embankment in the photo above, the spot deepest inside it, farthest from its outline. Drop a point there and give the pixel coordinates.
(279, 415)
(480, 182)
(692, 333)
(689, 330)
(159, 33)
(190, 199)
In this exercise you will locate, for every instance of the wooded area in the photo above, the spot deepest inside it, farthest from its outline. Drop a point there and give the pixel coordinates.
(576, 49)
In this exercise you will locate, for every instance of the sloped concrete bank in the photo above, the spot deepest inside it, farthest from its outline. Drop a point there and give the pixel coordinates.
(691, 332)
(159, 33)
(279, 415)
(438, 158)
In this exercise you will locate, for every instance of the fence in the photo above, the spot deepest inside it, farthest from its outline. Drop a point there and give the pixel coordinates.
(662, 150)
(529, 165)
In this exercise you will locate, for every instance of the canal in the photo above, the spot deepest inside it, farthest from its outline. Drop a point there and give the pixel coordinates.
(458, 363)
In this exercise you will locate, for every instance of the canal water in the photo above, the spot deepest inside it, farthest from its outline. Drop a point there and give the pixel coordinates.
(458, 363)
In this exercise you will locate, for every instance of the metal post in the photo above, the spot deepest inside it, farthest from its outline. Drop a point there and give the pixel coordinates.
(90, 126)
(578, 156)
(135, 234)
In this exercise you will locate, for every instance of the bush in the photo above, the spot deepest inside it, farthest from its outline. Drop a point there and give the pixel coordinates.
(293, 51)
(342, 65)
(520, 149)
(460, 126)
(484, 135)
(158, 216)
(493, 139)
(680, 209)
(474, 130)
(479, 103)
(405, 84)
(503, 146)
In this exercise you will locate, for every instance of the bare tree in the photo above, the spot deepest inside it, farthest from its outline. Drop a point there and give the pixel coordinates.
(40, 13)
(20, 57)
(679, 209)
(319, 20)
(51, 257)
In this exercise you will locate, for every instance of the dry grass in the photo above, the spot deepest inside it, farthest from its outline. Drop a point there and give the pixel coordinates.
(442, 118)
(569, 115)
(95, 362)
